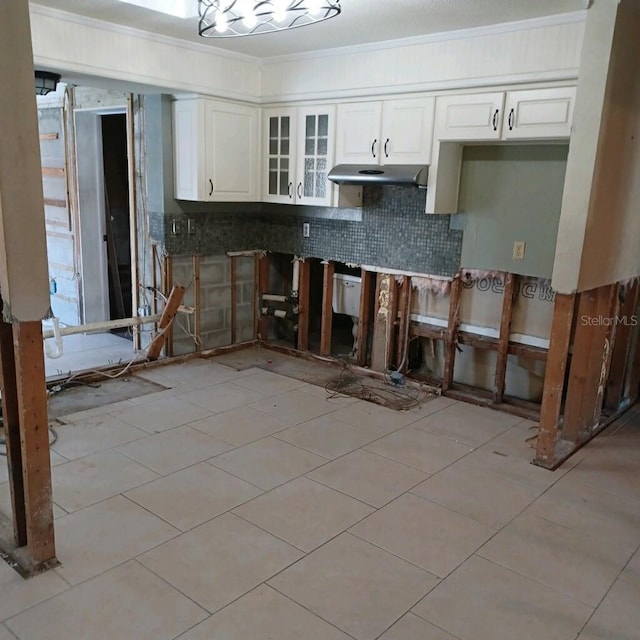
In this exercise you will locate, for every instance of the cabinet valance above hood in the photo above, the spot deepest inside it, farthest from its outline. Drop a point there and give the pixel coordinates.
(410, 175)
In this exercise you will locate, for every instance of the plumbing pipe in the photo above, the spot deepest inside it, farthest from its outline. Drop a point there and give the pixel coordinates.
(51, 350)
(295, 281)
(278, 313)
(272, 297)
(101, 326)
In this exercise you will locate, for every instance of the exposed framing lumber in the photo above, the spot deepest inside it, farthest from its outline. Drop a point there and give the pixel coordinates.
(262, 286)
(234, 296)
(554, 379)
(364, 320)
(53, 172)
(53, 202)
(384, 322)
(168, 314)
(166, 287)
(633, 374)
(621, 356)
(197, 303)
(503, 340)
(403, 338)
(48, 136)
(327, 308)
(452, 333)
(304, 296)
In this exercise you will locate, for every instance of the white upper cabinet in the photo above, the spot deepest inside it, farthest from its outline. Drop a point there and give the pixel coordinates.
(385, 132)
(527, 114)
(215, 151)
(299, 154)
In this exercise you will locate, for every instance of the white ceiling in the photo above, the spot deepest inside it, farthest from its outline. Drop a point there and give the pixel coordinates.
(361, 21)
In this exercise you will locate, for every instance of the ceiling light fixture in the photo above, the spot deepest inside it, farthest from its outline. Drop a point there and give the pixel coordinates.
(232, 18)
(46, 82)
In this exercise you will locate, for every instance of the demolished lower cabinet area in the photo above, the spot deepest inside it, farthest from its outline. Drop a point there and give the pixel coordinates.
(216, 151)
(530, 114)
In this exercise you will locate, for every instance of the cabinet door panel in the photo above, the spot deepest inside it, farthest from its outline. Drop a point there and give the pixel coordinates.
(407, 129)
(539, 113)
(359, 126)
(469, 117)
(189, 155)
(280, 141)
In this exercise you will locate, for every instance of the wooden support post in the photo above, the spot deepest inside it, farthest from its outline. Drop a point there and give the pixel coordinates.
(364, 319)
(503, 340)
(197, 302)
(384, 322)
(610, 333)
(633, 373)
(11, 420)
(587, 363)
(167, 285)
(234, 297)
(452, 333)
(327, 309)
(262, 286)
(168, 314)
(303, 305)
(554, 379)
(404, 307)
(621, 354)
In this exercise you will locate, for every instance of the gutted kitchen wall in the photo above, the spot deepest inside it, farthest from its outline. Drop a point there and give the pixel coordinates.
(511, 193)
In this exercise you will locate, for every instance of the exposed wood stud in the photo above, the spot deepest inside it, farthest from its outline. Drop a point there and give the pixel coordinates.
(554, 378)
(167, 288)
(503, 341)
(233, 268)
(34, 434)
(364, 319)
(621, 354)
(303, 305)
(404, 308)
(633, 373)
(197, 303)
(53, 202)
(383, 322)
(452, 333)
(53, 172)
(48, 136)
(133, 217)
(263, 287)
(168, 314)
(327, 309)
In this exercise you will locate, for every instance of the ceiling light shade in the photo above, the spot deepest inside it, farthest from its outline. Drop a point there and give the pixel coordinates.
(45, 82)
(232, 18)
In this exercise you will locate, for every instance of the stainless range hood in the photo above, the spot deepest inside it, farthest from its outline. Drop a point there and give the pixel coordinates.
(410, 175)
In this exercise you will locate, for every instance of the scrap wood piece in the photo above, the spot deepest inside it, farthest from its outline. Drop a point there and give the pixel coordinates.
(166, 320)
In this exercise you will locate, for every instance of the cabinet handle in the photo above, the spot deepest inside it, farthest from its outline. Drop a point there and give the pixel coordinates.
(386, 148)
(511, 114)
(299, 190)
(495, 119)
(210, 186)
(290, 189)
(373, 147)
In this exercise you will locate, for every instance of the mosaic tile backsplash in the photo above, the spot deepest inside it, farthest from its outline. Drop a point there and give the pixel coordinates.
(393, 232)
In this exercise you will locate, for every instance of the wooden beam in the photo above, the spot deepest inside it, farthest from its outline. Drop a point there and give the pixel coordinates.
(452, 333)
(53, 172)
(304, 296)
(364, 319)
(167, 287)
(404, 308)
(53, 202)
(197, 303)
(133, 217)
(554, 378)
(425, 330)
(327, 309)
(34, 435)
(503, 339)
(620, 357)
(262, 282)
(48, 136)
(168, 314)
(383, 324)
(11, 420)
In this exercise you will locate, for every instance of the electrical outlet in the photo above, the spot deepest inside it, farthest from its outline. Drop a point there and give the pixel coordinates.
(518, 250)
(176, 227)
(306, 229)
(191, 226)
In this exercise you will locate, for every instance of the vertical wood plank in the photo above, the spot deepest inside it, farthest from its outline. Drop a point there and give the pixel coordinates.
(133, 218)
(166, 319)
(554, 378)
(34, 432)
(364, 319)
(327, 309)
(404, 307)
(392, 324)
(11, 420)
(621, 355)
(264, 264)
(503, 339)
(383, 324)
(303, 305)
(234, 297)
(197, 302)
(452, 333)
(167, 288)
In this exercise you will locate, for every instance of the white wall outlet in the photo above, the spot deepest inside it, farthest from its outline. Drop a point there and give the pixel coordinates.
(176, 227)
(306, 229)
(191, 226)
(518, 250)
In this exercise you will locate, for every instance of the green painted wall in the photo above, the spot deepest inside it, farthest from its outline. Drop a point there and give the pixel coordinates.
(510, 193)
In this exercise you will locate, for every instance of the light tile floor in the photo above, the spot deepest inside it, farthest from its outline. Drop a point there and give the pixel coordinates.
(244, 505)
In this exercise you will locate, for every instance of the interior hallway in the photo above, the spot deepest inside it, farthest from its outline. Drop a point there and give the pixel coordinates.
(244, 504)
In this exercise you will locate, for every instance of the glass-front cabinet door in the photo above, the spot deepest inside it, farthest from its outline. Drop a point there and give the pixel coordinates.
(280, 128)
(316, 132)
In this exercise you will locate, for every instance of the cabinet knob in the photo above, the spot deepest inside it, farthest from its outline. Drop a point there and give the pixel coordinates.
(511, 115)
(373, 147)
(299, 190)
(210, 186)
(495, 119)
(386, 148)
